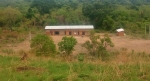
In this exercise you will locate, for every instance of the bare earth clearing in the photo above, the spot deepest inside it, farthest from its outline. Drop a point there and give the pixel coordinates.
(138, 45)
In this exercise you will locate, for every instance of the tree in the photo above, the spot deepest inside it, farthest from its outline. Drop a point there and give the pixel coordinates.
(30, 14)
(98, 12)
(44, 6)
(67, 44)
(43, 45)
(11, 16)
(2, 20)
(97, 46)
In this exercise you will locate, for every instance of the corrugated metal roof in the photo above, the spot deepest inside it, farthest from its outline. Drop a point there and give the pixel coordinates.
(71, 27)
(120, 30)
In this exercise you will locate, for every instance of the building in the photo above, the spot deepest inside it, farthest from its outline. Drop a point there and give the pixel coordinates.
(120, 32)
(74, 30)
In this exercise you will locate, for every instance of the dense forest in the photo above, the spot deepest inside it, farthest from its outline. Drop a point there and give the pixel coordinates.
(107, 15)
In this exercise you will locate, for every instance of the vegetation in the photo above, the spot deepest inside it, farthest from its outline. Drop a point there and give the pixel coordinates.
(43, 45)
(67, 44)
(19, 17)
(97, 46)
(133, 15)
(133, 66)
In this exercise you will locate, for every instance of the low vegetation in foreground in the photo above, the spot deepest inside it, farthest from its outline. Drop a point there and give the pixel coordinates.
(123, 66)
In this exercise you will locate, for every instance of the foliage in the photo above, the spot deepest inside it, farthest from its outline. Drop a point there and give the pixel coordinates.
(30, 14)
(11, 17)
(132, 15)
(99, 14)
(43, 45)
(38, 69)
(97, 46)
(81, 57)
(67, 44)
(44, 6)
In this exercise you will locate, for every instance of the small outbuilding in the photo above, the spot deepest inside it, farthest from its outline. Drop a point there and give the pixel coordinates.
(74, 30)
(120, 32)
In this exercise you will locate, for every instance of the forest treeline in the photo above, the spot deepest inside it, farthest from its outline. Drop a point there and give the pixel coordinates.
(107, 15)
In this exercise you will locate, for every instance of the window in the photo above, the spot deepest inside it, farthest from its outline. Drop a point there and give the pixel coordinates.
(56, 32)
(83, 33)
(69, 32)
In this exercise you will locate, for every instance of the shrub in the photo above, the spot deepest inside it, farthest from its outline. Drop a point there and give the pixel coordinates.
(67, 44)
(43, 45)
(97, 45)
(81, 57)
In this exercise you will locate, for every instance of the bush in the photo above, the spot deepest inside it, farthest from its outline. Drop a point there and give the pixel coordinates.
(67, 44)
(97, 45)
(81, 57)
(43, 45)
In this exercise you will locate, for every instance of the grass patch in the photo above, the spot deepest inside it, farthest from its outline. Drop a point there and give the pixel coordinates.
(8, 51)
(43, 69)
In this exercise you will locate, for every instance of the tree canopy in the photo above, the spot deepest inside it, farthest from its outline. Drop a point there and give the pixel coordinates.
(103, 14)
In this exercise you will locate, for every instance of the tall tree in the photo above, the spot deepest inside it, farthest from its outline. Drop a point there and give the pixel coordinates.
(98, 12)
(30, 13)
(44, 6)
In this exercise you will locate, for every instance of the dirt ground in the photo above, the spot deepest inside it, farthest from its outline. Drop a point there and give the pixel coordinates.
(138, 45)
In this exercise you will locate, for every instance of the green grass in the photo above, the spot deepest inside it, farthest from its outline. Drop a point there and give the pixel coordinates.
(40, 69)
